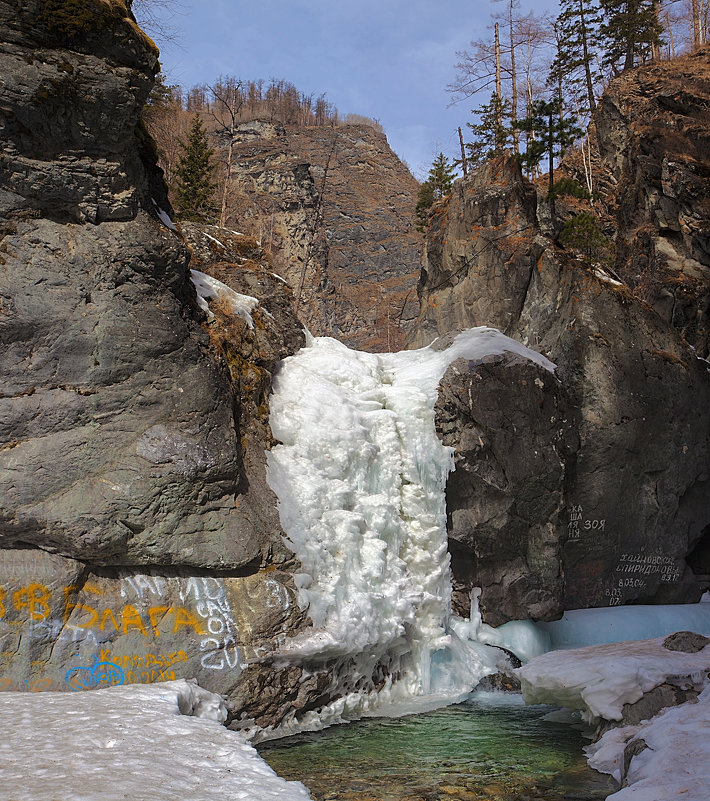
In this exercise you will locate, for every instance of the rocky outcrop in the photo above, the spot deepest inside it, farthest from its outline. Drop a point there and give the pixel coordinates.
(512, 428)
(335, 207)
(139, 541)
(105, 362)
(636, 489)
(654, 139)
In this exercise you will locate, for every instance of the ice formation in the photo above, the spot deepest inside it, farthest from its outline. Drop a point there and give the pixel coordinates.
(158, 741)
(209, 288)
(360, 478)
(582, 627)
(579, 628)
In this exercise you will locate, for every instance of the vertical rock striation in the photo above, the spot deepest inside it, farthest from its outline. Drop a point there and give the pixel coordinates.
(336, 207)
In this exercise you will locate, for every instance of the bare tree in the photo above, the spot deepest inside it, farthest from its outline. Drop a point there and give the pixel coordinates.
(156, 17)
(511, 21)
(228, 102)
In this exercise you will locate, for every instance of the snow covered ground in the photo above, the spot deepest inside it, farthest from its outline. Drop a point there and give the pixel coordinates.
(161, 742)
(674, 765)
(599, 680)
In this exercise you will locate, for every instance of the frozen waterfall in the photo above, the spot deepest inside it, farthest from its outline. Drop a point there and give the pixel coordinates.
(360, 477)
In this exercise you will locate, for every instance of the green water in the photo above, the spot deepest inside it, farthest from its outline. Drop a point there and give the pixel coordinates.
(470, 752)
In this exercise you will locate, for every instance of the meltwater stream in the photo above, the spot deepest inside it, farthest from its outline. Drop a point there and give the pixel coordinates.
(360, 478)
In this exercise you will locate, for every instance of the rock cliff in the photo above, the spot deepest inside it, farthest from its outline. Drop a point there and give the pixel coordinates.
(633, 490)
(139, 541)
(335, 207)
(654, 141)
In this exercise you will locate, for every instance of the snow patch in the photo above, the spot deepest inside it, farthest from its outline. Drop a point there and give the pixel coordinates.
(214, 240)
(675, 762)
(209, 288)
(163, 217)
(599, 680)
(159, 741)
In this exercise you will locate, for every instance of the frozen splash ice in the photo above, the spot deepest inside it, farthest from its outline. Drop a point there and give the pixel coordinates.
(360, 477)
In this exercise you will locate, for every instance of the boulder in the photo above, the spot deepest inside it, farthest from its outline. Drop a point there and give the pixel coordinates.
(511, 425)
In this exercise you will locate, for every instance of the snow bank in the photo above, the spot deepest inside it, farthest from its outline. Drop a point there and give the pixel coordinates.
(599, 680)
(674, 765)
(130, 742)
(163, 217)
(209, 288)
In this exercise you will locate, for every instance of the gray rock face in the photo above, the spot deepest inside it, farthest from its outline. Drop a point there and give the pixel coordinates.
(335, 207)
(84, 165)
(653, 134)
(636, 492)
(512, 429)
(120, 445)
(687, 641)
(139, 541)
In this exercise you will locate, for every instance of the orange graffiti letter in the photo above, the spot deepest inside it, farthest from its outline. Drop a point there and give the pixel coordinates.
(34, 598)
(2, 605)
(93, 615)
(108, 613)
(156, 613)
(185, 618)
(131, 619)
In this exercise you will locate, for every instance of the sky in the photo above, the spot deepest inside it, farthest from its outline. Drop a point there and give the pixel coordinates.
(386, 59)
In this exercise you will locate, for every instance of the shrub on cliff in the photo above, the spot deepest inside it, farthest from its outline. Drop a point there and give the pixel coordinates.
(584, 234)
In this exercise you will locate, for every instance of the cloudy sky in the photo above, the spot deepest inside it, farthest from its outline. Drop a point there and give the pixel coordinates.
(386, 59)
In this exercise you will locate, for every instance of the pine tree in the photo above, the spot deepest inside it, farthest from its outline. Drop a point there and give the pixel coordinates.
(554, 133)
(577, 33)
(584, 233)
(493, 132)
(195, 190)
(437, 185)
(441, 176)
(630, 31)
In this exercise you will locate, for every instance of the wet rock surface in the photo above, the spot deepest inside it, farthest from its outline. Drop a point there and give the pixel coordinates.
(687, 641)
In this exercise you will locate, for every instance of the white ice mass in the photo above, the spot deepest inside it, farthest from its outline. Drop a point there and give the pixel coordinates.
(360, 478)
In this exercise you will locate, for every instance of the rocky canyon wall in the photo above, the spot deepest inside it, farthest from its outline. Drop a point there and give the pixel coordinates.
(608, 502)
(335, 207)
(139, 541)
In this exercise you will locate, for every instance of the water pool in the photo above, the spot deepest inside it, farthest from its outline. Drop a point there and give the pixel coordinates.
(486, 748)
